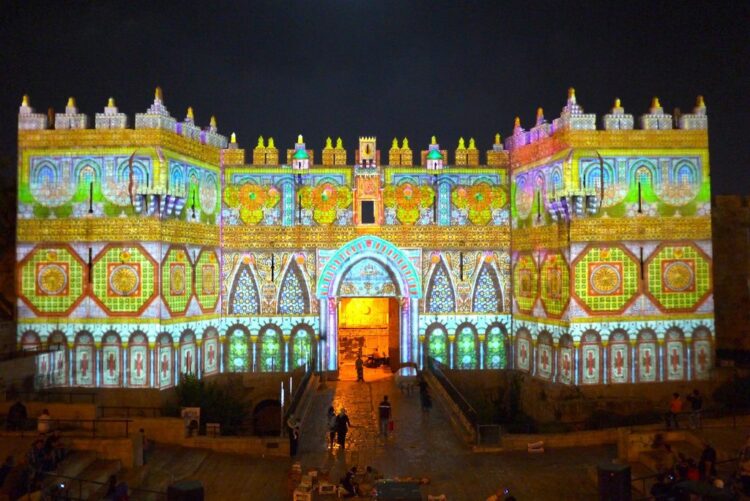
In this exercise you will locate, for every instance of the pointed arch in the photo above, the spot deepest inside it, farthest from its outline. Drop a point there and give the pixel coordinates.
(436, 343)
(440, 295)
(293, 295)
(496, 349)
(487, 293)
(244, 298)
(466, 347)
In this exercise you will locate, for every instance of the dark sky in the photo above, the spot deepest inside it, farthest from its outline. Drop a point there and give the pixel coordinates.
(390, 68)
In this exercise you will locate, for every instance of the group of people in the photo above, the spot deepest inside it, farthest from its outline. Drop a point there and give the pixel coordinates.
(676, 407)
(352, 484)
(680, 472)
(338, 427)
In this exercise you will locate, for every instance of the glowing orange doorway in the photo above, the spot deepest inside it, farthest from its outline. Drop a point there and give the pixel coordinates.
(367, 326)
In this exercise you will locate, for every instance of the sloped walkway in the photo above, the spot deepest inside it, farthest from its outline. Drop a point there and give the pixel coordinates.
(424, 445)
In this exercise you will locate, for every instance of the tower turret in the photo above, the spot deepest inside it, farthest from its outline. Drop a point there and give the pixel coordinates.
(368, 154)
(697, 119)
(157, 116)
(433, 158)
(300, 158)
(497, 156)
(573, 117)
(27, 119)
(71, 119)
(617, 119)
(111, 118)
(656, 119)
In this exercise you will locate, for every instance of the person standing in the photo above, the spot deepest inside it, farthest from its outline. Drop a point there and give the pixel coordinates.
(294, 426)
(696, 407)
(43, 422)
(384, 412)
(424, 396)
(707, 462)
(331, 422)
(675, 408)
(360, 369)
(342, 427)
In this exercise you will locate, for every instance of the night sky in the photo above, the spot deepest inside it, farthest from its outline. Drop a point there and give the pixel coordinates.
(349, 68)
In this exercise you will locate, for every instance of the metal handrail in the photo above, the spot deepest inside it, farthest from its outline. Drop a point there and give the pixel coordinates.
(299, 391)
(81, 481)
(652, 476)
(29, 427)
(134, 410)
(464, 406)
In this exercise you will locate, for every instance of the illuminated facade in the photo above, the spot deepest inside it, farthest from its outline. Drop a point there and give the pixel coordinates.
(581, 256)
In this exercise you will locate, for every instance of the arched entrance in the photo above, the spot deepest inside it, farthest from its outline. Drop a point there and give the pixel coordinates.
(369, 273)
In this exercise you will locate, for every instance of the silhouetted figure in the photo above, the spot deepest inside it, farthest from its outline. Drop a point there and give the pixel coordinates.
(16, 416)
(342, 428)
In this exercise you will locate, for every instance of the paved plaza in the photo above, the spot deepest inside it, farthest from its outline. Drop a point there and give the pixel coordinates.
(425, 445)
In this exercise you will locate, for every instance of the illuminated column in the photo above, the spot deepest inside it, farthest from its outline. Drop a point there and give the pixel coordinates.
(254, 342)
(605, 367)
(481, 338)
(414, 333)
(152, 356)
(198, 357)
(323, 341)
(688, 359)
(333, 322)
(451, 342)
(660, 347)
(533, 355)
(511, 355)
(125, 369)
(633, 360)
(555, 359)
(97, 364)
(176, 362)
(222, 353)
(576, 356)
(421, 352)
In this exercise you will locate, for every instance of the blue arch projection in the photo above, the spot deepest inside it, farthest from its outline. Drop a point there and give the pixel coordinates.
(377, 248)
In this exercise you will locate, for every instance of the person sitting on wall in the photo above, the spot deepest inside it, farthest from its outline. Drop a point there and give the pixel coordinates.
(43, 422)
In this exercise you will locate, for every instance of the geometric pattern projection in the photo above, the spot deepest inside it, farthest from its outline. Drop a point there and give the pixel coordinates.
(124, 279)
(176, 280)
(606, 279)
(440, 298)
(525, 282)
(244, 299)
(293, 299)
(207, 280)
(51, 280)
(678, 277)
(487, 291)
(555, 284)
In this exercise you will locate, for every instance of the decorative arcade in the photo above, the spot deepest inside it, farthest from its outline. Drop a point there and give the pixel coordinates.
(579, 255)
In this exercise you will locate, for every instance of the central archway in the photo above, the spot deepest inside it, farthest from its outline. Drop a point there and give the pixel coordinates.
(400, 280)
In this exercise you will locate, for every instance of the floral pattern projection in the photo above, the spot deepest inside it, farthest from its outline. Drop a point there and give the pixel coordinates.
(325, 201)
(248, 203)
(480, 203)
(410, 202)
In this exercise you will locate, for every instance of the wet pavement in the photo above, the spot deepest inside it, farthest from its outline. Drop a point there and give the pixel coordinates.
(424, 445)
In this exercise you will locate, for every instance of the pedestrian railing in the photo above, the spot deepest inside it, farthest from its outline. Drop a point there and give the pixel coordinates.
(76, 488)
(94, 428)
(436, 369)
(728, 468)
(130, 411)
(297, 394)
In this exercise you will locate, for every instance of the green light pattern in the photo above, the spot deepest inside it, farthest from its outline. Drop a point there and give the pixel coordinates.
(176, 260)
(270, 360)
(238, 359)
(687, 259)
(123, 255)
(467, 350)
(302, 348)
(628, 277)
(438, 345)
(555, 284)
(495, 349)
(52, 303)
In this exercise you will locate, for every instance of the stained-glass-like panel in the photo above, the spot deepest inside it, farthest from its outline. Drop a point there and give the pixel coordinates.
(466, 349)
(302, 349)
(245, 294)
(486, 291)
(238, 359)
(438, 345)
(293, 298)
(495, 349)
(270, 352)
(440, 298)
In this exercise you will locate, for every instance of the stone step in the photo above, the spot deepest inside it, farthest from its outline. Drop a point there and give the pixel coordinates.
(97, 474)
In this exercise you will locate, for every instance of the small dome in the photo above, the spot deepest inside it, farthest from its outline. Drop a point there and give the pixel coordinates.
(434, 155)
(301, 154)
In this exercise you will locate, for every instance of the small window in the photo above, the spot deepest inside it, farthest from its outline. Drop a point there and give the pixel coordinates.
(368, 212)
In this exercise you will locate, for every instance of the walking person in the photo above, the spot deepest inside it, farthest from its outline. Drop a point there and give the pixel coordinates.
(384, 411)
(331, 423)
(360, 365)
(696, 408)
(294, 425)
(342, 427)
(424, 396)
(675, 408)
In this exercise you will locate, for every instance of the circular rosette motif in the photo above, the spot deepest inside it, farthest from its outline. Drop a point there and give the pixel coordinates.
(51, 280)
(124, 280)
(479, 200)
(408, 199)
(208, 194)
(606, 279)
(679, 277)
